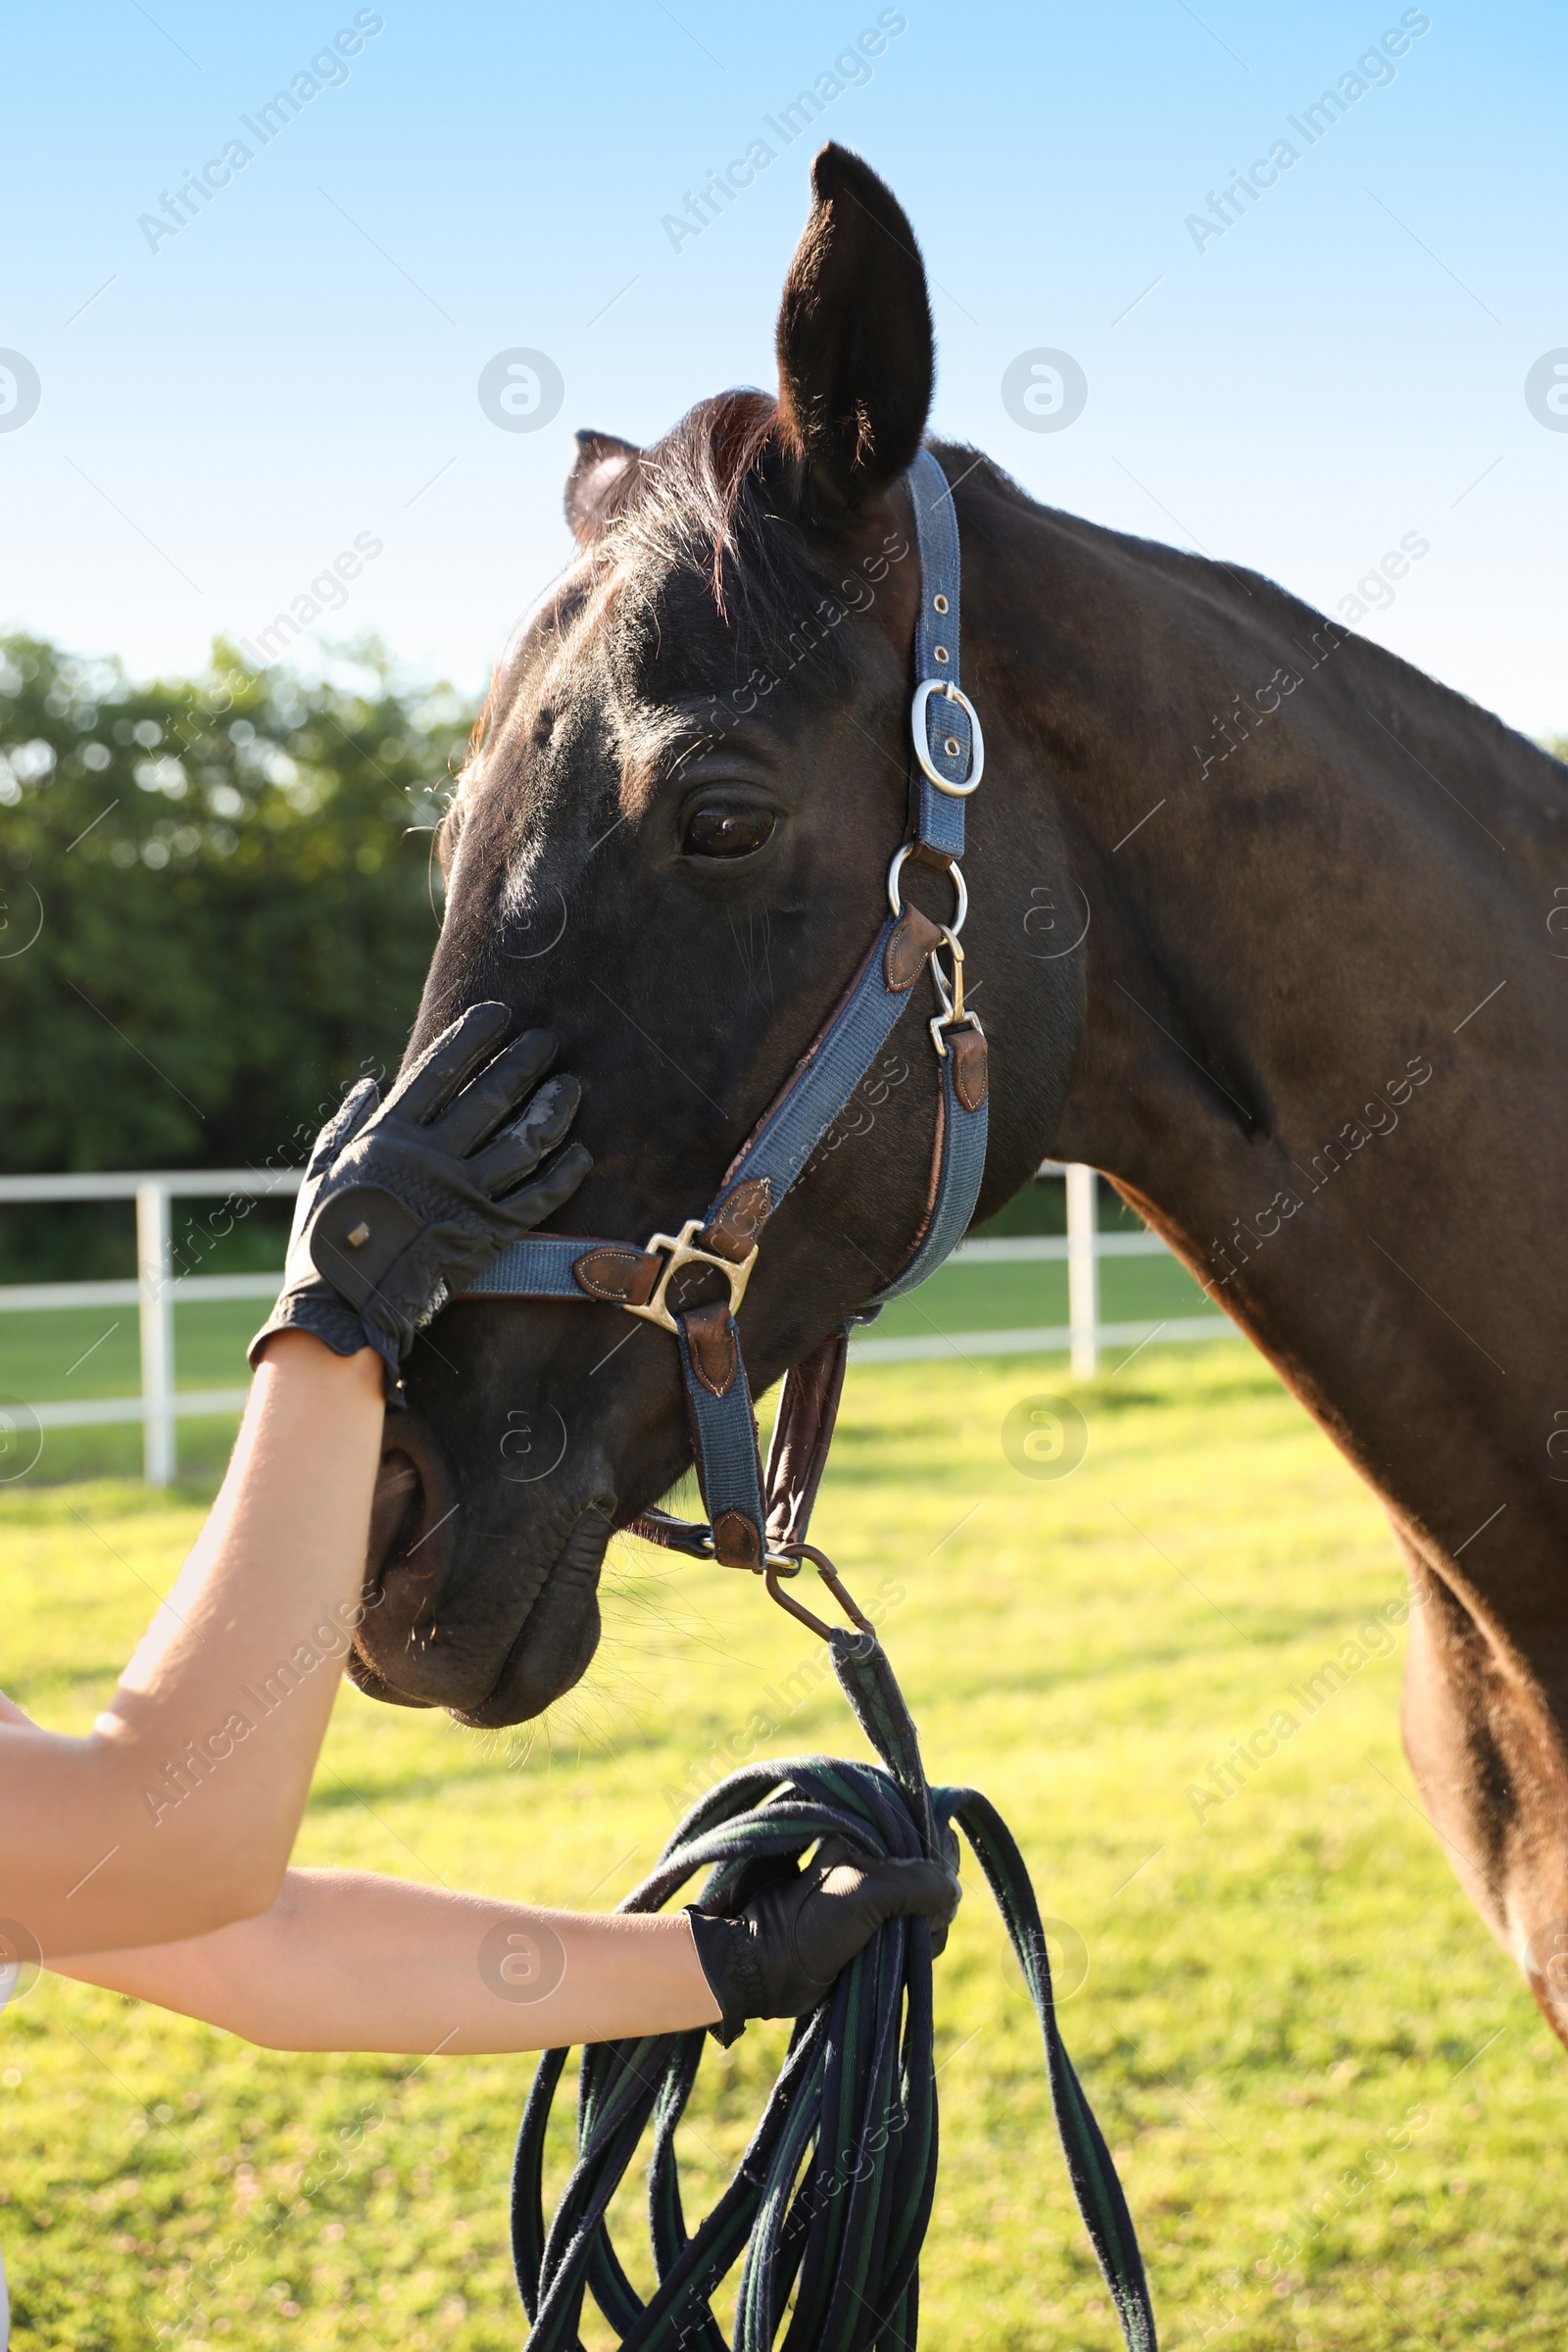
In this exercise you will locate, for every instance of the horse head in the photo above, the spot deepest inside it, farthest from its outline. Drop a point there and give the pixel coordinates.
(670, 845)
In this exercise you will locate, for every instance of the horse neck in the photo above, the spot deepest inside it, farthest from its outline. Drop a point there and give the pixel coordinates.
(1258, 814)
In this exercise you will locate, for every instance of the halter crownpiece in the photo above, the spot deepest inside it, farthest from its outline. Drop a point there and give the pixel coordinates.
(753, 1518)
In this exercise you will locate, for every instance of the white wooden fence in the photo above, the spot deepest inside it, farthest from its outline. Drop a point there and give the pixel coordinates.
(155, 1294)
(1083, 1335)
(158, 1290)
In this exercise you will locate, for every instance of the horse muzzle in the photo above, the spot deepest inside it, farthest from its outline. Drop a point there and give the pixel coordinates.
(493, 1624)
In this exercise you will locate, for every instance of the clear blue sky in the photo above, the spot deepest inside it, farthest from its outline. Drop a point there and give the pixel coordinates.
(1342, 366)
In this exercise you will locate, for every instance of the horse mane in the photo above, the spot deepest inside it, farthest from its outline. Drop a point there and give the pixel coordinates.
(1247, 591)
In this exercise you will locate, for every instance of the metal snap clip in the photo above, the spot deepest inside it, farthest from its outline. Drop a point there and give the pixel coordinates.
(830, 1577)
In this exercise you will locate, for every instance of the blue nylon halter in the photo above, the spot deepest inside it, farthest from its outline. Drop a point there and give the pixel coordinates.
(949, 755)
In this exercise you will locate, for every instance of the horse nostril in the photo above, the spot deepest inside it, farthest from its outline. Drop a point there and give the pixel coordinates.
(396, 1509)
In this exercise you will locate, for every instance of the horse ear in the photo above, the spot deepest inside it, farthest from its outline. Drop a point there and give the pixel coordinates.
(600, 473)
(854, 344)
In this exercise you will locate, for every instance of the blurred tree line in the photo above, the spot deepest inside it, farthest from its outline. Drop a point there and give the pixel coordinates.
(218, 902)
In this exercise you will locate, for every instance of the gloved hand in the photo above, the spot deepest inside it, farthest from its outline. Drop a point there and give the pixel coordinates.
(406, 1200)
(779, 1956)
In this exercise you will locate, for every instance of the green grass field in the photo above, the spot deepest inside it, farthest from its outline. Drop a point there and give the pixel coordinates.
(1331, 2099)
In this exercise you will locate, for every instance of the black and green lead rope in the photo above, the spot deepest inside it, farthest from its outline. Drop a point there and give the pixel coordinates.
(832, 2197)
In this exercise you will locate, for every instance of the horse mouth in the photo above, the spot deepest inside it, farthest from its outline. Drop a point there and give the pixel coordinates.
(492, 1626)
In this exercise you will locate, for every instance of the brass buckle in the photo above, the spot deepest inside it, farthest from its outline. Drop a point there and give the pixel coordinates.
(685, 1251)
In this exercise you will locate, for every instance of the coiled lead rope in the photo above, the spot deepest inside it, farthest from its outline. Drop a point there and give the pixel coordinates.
(832, 2197)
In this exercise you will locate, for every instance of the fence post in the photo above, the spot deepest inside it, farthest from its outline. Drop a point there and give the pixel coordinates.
(156, 1310)
(1083, 1272)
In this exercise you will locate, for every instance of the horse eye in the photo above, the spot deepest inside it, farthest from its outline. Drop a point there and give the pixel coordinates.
(717, 830)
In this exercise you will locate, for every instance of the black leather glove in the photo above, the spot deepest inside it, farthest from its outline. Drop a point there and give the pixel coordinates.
(779, 1956)
(407, 1200)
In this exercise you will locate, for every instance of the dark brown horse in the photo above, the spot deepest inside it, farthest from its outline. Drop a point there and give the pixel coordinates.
(1314, 1031)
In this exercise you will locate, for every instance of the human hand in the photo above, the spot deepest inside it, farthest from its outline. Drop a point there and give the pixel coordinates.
(779, 1956)
(406, 1200)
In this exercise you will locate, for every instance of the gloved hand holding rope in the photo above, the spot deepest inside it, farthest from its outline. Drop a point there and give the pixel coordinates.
(781, 1955)
(831, 2200)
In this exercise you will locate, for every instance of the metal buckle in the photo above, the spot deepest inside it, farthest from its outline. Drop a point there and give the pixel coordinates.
(774, 1563)
(684, 1251)
(922, 749)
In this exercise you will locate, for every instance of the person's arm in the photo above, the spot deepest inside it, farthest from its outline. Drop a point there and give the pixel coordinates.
(177, 1811)
(348, 1961)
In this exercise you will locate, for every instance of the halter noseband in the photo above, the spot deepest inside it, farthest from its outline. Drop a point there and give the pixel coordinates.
(759, 1522)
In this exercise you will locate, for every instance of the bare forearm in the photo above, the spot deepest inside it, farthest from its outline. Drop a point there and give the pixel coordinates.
(347, 1961)
(178, 1811)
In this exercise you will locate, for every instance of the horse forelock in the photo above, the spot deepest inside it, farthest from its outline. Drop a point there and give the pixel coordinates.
(683, 500)
(714, 505)
(698, 574)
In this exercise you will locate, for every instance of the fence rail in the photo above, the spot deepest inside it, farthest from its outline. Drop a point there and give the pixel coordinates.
(156, 1290)
(1083, 1245)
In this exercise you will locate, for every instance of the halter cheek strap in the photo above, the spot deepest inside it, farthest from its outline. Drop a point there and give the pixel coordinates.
(750, 1517)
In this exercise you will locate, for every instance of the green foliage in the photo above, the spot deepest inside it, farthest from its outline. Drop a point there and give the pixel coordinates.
(1327, 2091)
(228, 877)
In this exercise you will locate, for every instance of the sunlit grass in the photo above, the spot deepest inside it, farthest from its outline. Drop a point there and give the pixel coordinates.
(1306, 2051)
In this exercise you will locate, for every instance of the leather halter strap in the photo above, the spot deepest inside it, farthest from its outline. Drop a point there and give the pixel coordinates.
(749, 1518)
